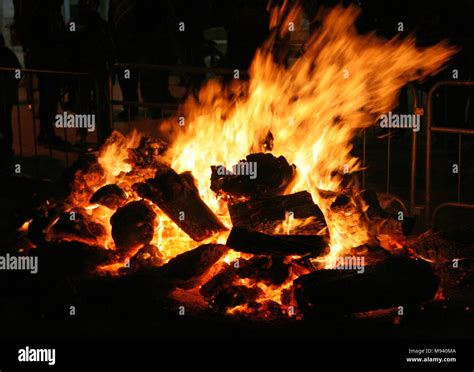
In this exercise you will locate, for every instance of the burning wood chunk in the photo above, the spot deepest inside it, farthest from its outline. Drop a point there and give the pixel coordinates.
(396, 281)
(218, 282)
(146, 257)
(388, 213)
(267, 213)
(235, 296)
(259, 174)
(229, 296)
(269, 270)
(178, 197)
(193, 264)
(82, 178)
(133, 225)
(146, 155)
(110, 196)
(44, 219)
(77, 225)
(244, 240)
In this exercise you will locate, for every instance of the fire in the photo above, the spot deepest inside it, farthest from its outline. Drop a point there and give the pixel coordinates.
(313, 109)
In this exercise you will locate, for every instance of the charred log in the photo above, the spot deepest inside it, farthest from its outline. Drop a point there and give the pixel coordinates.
(265, 213)
(77, 225)
(272, 176)
(269, 270)
(146, 155)
(193, 264)
(234, 296)
(244, 240)
(178, 197)
(133, 225)
(396, 281)
(110, 196)
(147, 257)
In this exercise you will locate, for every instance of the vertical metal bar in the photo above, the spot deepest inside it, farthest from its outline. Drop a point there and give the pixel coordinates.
(20, 136)
(35, 138)
(459, 165)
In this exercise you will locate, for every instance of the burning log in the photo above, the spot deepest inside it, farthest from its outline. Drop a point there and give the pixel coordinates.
(191, 265)
(259, 174)
(221, 293)
(396, 281)
(110, 196)
(147, 153)
(236, 295)
(260, 212)
(146, 257)
(76, 225)
(269, 270)
(133, 225)
(82, 177)
(178, 197)
(247, 241)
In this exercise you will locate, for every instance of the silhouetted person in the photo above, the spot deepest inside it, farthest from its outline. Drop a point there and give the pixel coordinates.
(40, 27)
(8, 98)
(90, 49)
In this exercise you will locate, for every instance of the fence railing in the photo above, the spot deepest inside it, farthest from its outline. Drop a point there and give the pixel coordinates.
(119, 68)
(408, 207)
(430, 216)
(43, 89)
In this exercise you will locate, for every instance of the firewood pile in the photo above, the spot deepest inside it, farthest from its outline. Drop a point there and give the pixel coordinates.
(267, 257)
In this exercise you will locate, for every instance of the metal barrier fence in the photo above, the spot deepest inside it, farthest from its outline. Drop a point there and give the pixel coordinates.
(120, 68)
(411, 202)
(52, 88)
(430, 217)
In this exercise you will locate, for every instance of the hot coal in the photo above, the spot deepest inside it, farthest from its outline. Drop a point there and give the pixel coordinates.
(77, 225)
(110, 196)
(146, 155)
(146, 257)
(268, 270)
(133, 225)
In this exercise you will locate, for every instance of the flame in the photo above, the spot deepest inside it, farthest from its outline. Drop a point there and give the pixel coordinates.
(314, 109)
